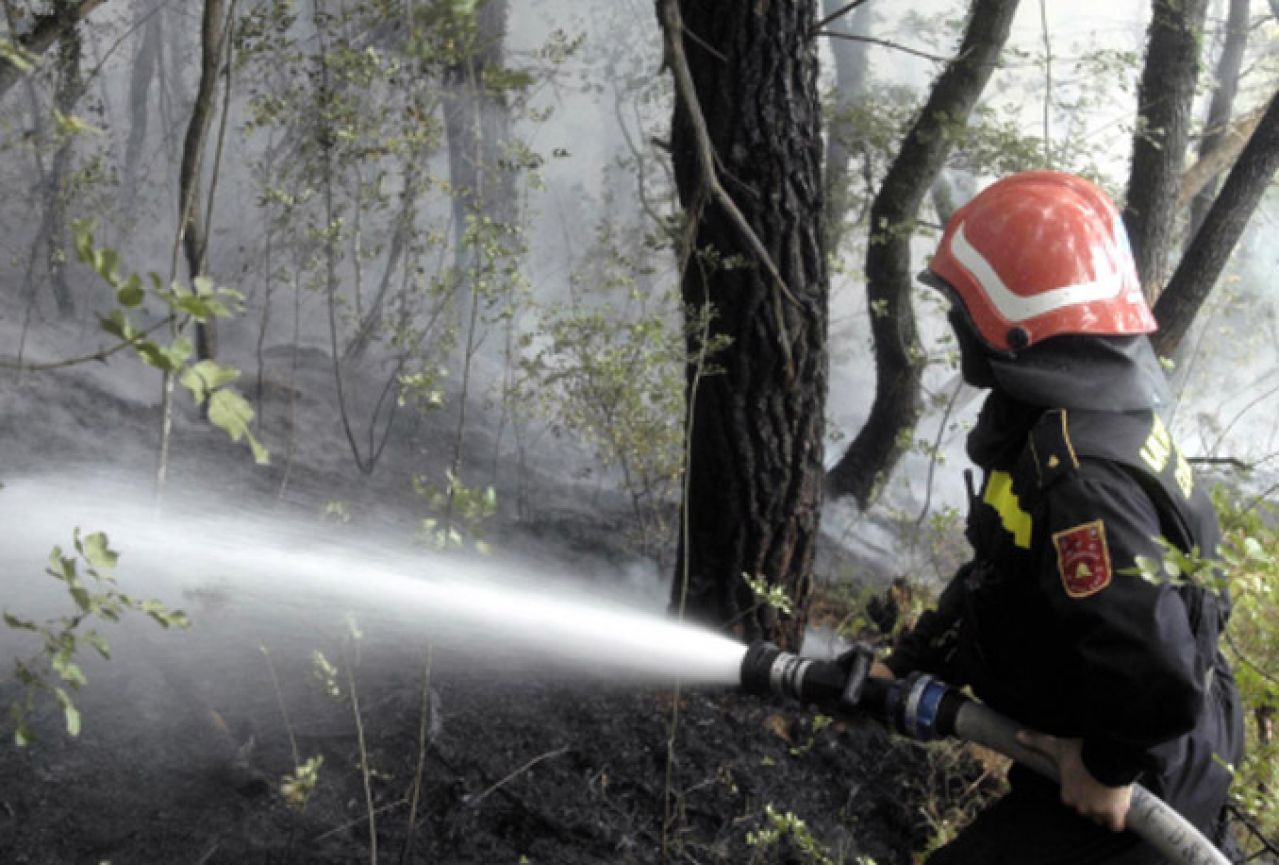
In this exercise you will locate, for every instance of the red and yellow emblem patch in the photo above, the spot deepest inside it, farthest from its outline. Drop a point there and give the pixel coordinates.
(1083, 559)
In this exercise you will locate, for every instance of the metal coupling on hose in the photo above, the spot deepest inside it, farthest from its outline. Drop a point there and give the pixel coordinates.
(836, 685)
(921, 707)
(766, 669)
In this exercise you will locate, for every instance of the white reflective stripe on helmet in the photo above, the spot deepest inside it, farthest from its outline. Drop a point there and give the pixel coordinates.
(1014, 307)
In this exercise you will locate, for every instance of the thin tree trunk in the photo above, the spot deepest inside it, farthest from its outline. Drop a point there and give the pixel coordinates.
(756, 425)
(369, 326)
(899, 359)
(1217, 123)
(852, 70)
(1164, 99)
(1203, 262)
(30, 287)
(477, 126)
(194, 239)
(146, 65)
(54, 227)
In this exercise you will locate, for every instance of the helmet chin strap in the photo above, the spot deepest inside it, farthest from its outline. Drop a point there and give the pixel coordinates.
(1096, 373)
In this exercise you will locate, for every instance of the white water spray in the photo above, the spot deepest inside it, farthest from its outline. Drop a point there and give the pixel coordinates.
(286, 569)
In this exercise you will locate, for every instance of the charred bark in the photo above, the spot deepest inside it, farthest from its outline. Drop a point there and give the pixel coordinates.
(899, 359)
(1164, 99)
(45, 32)
(1217, 123)
(756, 420)
(1204, 260)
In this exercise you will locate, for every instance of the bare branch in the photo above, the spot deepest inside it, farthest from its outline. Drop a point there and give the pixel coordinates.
(475, 800)
(102, 355)
(1229, 144)
(835, 34)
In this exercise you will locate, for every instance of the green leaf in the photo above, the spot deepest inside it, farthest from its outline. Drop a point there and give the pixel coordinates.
(82, 229)
(18, 624)
(130, 294)
(99, 642)
(177, 352)
(232, 413)
(203, 286)
(70, 711)
(98, 552)
(69, 124)
(163, 616)
(17, 56)
(201, 307)
(105, 262)
(117, 325)
(1147, 568)
(68, 670)
(61, 567)
(81, 597)
(205, 377)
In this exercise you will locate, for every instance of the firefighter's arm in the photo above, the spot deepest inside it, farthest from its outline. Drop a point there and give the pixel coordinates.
(1089, 797)
(1131, 671)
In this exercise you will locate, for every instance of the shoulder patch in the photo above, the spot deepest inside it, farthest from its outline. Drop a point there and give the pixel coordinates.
(1083, 559)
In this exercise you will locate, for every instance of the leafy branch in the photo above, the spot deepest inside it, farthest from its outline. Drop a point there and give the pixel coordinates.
(54, 671)
(207, 381)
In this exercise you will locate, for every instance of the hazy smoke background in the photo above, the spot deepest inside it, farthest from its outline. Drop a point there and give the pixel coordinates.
(606, 115)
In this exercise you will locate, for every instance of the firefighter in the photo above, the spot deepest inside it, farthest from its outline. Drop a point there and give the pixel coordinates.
(1051, 621)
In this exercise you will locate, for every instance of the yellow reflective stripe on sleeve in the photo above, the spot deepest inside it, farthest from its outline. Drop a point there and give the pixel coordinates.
(1000, 496)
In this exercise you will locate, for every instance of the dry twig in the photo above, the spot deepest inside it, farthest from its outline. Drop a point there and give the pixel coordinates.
(475, 800)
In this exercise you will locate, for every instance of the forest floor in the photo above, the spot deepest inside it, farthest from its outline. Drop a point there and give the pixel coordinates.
(461, 758)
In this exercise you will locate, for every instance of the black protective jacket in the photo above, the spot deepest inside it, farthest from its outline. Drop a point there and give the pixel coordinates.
(1050, 623)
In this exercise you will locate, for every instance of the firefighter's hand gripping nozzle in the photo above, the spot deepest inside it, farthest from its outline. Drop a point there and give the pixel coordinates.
(917, 706)
(921, 707)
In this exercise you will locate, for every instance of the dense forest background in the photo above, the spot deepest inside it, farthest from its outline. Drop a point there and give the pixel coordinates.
(621, 288)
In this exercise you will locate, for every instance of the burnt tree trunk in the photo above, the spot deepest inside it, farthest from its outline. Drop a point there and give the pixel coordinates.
(756, 415)
(899, 359)
(1217, 123)
(1164, 99)
(1203, 261)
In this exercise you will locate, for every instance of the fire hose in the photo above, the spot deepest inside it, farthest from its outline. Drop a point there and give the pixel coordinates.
(923, 708)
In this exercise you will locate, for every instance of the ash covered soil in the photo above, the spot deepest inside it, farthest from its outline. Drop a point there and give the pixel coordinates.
(515, 771)
(188, 736)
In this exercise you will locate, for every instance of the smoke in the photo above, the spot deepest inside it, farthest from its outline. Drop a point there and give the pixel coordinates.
(595, 121)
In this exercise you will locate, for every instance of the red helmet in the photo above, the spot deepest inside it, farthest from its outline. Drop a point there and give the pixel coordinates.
(1039, 254)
